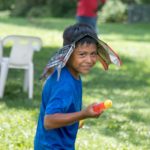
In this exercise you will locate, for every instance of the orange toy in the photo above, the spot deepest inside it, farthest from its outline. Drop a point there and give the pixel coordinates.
(102, 106)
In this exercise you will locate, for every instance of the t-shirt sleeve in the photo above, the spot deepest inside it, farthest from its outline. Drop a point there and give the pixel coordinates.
(60, 99)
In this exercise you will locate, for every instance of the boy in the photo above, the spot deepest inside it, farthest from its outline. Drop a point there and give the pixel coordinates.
(61, 104)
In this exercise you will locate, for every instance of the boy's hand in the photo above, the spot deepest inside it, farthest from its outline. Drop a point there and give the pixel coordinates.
(90, 113)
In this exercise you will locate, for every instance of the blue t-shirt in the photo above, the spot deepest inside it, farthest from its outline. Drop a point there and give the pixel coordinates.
(63, 96)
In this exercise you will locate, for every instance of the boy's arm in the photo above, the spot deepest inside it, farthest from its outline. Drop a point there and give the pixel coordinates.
(59, 120)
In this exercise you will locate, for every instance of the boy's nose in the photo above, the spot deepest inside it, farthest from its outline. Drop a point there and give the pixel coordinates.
(89, 59)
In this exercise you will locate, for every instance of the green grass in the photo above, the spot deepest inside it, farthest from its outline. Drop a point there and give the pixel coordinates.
(123, 127)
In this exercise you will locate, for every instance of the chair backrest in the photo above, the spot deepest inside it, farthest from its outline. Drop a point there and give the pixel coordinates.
(22, 48)
(1, 50)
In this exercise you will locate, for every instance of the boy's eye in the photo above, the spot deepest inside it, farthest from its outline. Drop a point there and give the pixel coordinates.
(94, 53)
(82, 54)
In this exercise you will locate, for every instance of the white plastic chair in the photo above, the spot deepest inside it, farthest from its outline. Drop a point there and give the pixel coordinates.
(20, 58)
(1, 51)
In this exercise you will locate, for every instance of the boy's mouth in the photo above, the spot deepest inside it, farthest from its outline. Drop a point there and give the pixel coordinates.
(86, 67)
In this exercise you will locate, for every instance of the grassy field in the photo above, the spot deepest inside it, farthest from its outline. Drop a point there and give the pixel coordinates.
(126, 126)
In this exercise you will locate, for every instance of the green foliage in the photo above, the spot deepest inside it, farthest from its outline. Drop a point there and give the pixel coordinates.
(44, 8)
(62, 8)
(56, 8)
(21, 8)
(113, 11)
(125, 126)
(6, 4)
(39, 11)
(136, 1)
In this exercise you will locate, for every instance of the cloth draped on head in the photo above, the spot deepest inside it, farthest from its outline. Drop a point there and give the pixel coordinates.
(105, 55)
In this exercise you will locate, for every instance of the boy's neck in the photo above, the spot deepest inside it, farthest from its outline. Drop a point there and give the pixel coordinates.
(74, 73)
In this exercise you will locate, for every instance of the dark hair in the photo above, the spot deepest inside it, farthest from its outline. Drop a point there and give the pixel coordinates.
(72, 33)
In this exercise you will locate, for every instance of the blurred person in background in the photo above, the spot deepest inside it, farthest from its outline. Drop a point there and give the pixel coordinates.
(87, 12)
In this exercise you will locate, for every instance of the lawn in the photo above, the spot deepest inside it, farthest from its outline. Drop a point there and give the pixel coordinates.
(126, 126)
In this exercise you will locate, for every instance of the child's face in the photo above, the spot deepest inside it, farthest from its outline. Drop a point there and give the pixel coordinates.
(82, 59)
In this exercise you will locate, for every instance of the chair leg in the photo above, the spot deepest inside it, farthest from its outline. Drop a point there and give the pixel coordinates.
(26, 81)
(3, 77)
(31, 78)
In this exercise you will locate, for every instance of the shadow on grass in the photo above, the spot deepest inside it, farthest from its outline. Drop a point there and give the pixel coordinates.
(130, 129)
(129, 32)
(131, 75)
(58, 24)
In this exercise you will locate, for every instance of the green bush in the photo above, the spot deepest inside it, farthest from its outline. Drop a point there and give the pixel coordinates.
(62, 8)
(114, 11)
(136, 1)
(6, 4)
(59, 8)
(54, 8)
(21, 8)
(39, 11)
(37, 8)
